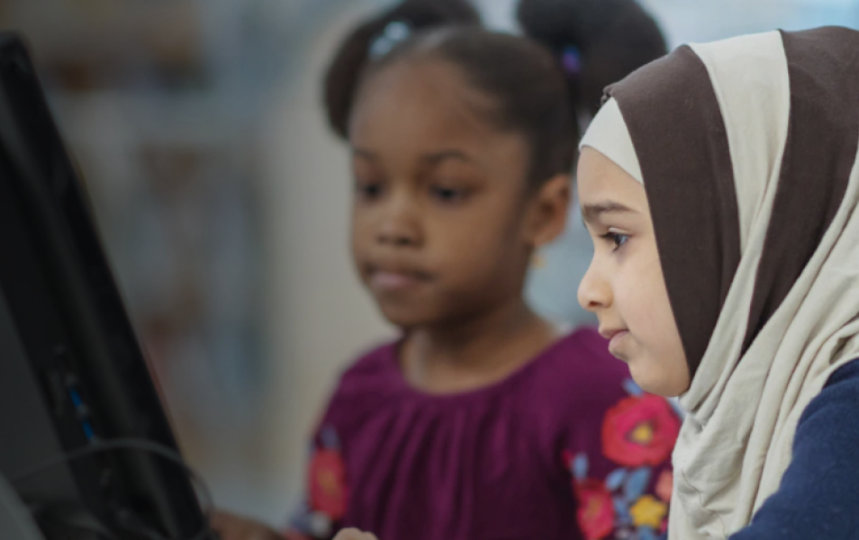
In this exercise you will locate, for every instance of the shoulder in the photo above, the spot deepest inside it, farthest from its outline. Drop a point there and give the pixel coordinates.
(827, 433)
(818, 489)
(374, 361)
(836, 402)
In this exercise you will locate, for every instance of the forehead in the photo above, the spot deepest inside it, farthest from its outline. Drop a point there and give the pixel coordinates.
(424, 99)
(601, 181)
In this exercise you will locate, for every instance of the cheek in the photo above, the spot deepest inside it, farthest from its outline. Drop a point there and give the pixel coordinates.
(634, 296)
(479, 232)
(655, 308)
(360, 235)
(474, 257)
(480, 253)
(643, 302)
(660, 307)
(662, 338)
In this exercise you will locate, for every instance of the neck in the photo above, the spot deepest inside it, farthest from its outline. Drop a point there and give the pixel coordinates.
(474, 351)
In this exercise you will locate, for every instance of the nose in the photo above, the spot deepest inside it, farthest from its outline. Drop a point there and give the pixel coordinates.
(399, 223)
(594, 292)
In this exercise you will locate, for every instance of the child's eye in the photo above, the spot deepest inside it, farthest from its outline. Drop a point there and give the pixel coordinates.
(368, 190)
(618, 239)
(447, 195)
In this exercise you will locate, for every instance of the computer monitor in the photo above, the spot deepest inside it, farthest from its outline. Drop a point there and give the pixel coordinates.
(84, 440)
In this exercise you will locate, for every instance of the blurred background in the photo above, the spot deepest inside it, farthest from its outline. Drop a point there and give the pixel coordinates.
(222, 200)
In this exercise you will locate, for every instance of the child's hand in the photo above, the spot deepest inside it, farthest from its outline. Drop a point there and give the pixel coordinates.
(234, 527)
(354, 534)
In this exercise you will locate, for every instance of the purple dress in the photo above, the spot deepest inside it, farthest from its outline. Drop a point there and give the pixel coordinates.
(565, 447)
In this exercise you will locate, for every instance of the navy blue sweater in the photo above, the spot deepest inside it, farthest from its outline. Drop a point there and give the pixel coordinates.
(819, 494)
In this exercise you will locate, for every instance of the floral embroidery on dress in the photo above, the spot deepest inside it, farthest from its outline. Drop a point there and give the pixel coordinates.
(596, 510)
(648, 511)
(327, 489)
(328, 483)
(640, 430)
(664, 485)
(638, 433)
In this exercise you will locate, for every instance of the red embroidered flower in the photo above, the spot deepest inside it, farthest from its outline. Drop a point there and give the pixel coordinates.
(328, 483)
(640, 430)
(595, 511)
(664, 485)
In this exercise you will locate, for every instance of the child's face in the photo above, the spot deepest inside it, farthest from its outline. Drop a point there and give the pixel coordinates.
(442, 226)
(624, 285)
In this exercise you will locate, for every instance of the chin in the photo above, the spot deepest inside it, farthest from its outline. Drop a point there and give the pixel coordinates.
(651, 381)
(660, 388)
(403, 317)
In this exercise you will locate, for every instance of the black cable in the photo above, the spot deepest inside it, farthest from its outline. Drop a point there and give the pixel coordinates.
(160, 450)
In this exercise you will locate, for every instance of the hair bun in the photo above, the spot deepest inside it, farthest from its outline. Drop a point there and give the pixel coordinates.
(596, 41)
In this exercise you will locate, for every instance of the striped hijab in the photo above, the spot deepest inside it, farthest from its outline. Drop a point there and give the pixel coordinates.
(747, 149)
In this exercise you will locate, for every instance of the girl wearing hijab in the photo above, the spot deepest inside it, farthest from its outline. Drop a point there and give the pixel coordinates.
(720, 186)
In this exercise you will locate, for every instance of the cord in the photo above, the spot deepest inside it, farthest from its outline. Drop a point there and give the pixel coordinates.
(128, 517)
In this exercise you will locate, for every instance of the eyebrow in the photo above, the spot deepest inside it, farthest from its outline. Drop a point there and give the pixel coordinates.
(592, 212)
(432, 158)
(437, 157)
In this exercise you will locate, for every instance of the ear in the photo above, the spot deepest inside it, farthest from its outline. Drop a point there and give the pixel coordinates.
(547, 212)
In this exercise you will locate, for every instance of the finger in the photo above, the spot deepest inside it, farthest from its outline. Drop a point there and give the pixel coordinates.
(354, 534)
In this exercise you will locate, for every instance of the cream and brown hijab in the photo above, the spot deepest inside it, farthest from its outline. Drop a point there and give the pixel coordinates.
(747, 149)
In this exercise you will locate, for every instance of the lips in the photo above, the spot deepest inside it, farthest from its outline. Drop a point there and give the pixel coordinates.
(614, 335)
(609, 333)
(393, 278)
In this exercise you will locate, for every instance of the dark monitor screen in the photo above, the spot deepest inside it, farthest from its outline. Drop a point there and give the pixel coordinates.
(83, 436)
